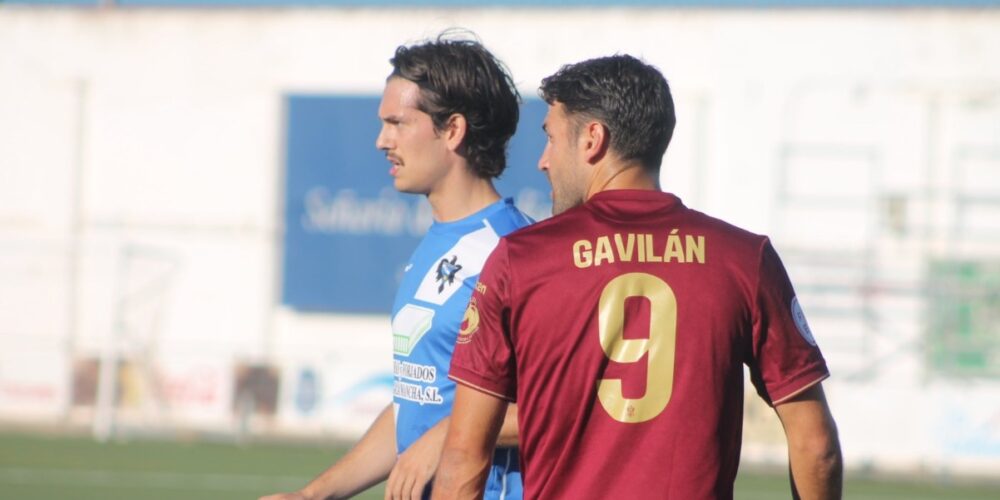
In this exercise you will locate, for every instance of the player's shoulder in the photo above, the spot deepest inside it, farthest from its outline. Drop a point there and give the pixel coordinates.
(724, 228)
(552, 228)
(507, 218)
(735, 238)
(539, 237)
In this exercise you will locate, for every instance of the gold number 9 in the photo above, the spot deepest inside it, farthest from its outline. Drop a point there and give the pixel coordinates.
(659, 346)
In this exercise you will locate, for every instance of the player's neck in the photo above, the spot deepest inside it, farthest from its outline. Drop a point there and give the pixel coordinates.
(460, 196)
(620, 175)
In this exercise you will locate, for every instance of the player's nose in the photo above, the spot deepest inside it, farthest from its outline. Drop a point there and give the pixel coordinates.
(543, 161)
(382, 140)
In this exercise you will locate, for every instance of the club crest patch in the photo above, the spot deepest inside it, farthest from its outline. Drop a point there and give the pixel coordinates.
(800, 322)
(470, 323)
(446, 271)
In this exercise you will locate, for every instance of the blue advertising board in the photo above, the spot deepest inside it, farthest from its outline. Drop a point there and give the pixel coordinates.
(348, 232)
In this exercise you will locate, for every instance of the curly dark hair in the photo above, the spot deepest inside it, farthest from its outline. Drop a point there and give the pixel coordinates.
(460, 76)
(630, 97)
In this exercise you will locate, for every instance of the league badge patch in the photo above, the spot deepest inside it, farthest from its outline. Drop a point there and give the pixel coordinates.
(801, 323)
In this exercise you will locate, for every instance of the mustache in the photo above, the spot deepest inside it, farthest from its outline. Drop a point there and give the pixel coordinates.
(393, 158)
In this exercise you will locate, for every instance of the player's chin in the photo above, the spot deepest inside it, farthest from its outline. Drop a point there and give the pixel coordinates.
(403, 186)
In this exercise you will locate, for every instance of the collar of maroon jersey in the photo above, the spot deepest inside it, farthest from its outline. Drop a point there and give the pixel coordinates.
(653, 201)
(624, 204)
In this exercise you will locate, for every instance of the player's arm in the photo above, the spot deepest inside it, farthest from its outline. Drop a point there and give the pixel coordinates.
(509, 429)
(368, 463)
(815, 462)
(416, 466)
(476, 419)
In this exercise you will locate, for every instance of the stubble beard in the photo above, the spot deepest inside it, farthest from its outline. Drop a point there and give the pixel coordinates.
(565, 198)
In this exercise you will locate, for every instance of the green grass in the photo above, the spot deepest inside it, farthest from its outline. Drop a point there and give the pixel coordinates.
(46, 467)
(768, 486)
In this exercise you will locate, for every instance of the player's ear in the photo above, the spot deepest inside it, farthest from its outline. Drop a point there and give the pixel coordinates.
(595, 140)
(454, 131)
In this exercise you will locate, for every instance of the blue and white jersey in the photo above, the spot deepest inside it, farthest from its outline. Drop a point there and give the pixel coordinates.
(426, 316)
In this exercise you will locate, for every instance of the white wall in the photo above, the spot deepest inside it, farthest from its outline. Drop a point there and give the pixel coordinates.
(141, 161)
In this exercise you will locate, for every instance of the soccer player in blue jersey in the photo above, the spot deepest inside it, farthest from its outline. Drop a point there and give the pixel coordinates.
(448, 110)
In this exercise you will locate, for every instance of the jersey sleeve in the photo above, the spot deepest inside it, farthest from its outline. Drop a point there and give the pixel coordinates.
(784, 359)
(484, 357)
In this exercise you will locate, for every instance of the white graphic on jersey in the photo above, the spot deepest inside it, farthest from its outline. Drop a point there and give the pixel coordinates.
(407, 268)
(801, 323)
(409, 326)
(471, 251)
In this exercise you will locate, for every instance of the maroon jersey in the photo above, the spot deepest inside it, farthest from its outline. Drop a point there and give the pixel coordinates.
(620, 329)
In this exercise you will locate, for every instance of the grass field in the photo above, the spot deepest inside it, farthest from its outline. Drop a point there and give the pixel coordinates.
(35, 467)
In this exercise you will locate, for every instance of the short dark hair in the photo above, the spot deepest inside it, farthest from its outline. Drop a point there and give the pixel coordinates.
(461, 76)
(630, 97)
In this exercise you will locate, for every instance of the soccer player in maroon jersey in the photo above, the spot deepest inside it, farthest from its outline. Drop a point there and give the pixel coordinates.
(621, 325)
